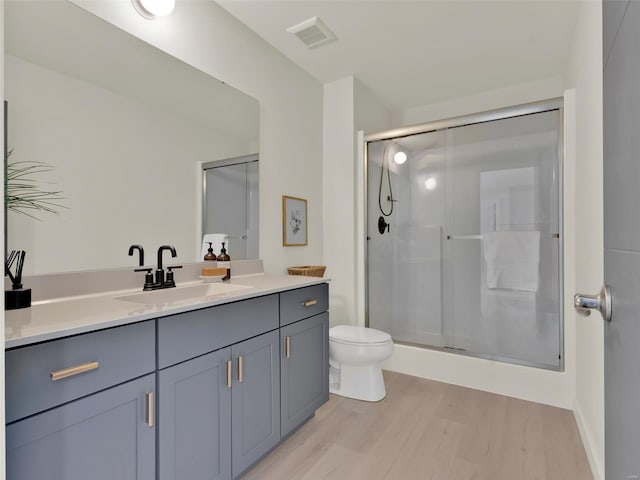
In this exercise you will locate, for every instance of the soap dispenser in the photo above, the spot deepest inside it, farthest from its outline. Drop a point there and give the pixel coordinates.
(210, 256)
(224, 261)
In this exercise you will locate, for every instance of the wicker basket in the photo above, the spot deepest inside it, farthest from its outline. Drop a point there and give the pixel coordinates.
(308, 270)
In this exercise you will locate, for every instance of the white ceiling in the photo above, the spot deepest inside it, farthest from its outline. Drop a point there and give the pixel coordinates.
(411, 53)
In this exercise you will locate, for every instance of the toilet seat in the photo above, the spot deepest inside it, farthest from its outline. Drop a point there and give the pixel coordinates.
(354, 335)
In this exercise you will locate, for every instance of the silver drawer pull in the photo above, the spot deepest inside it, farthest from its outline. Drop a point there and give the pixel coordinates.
(309, 303)
(229, 373)
(287, 347)
(240, 369)
(150, 411)
(71, 371)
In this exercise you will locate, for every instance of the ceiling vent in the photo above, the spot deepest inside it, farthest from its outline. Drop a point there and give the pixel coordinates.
(312, 32)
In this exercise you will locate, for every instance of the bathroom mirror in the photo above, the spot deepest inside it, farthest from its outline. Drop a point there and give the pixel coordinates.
(124, 126)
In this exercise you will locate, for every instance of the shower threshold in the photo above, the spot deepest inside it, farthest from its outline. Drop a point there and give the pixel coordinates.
(483, 356)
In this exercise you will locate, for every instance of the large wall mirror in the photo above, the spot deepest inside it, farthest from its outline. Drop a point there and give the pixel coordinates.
(126, 129)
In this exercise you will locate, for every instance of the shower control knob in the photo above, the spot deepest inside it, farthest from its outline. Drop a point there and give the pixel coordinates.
(601, 302)
(383, 226)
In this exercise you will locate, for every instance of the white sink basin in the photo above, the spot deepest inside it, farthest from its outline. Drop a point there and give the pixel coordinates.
(203, 292)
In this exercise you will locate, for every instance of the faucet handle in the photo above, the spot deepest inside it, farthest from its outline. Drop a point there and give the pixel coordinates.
(148, 278)
(169, 282)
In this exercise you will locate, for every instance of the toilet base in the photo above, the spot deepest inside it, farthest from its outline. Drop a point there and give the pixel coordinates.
(358, 382)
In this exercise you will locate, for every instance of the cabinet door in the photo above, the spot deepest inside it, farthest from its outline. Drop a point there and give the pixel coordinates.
(304, 369)
(104, 436)
(256, 399)
(194, 419)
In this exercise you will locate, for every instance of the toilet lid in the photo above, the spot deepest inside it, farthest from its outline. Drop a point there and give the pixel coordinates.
(353, 334)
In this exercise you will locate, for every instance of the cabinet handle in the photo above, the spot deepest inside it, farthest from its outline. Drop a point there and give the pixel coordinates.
(309, 303)
(71, 371)
(240, 369)
(287, 347)
(150, 411)
(229, 374)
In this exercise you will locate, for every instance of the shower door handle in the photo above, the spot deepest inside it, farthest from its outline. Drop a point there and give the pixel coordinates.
(601, 302)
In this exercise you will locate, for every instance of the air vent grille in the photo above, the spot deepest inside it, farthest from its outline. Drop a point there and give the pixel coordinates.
(312, 32)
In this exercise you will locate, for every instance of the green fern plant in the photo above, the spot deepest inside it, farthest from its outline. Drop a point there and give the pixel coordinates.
(22, 192)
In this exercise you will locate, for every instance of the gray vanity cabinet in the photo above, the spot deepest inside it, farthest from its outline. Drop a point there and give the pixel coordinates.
(83, 407)
(255, 409)
(232, 381)
(304, 374)
(220, 413)
(104, 436)
(194, 419)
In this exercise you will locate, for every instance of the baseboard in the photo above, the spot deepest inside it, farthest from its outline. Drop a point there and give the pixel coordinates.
(595, 458)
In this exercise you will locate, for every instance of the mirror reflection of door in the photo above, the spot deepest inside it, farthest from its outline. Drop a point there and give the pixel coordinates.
(231, 204)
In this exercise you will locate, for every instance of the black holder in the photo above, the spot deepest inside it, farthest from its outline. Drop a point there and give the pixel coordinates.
(18, 298)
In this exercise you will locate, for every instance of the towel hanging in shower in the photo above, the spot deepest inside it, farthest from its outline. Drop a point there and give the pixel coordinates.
(512, 260)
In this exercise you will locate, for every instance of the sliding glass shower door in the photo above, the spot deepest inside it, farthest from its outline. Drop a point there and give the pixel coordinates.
(464, 238)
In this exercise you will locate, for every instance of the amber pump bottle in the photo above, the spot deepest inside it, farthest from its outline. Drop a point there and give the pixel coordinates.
(224, 260)
(210, 256)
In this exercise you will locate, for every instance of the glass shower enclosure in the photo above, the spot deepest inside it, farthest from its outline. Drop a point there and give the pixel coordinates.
(464, 240)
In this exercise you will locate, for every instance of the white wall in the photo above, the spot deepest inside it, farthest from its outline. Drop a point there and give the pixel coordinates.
(584, 74)
(347, 108)
(504, 97)
(126, 170)
(207, 37)
(338, 152)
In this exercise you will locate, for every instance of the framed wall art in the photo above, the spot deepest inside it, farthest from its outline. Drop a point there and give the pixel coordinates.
(294, 221)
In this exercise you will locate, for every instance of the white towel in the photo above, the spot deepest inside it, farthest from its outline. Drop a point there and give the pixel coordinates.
(512, 260)
(216, 240)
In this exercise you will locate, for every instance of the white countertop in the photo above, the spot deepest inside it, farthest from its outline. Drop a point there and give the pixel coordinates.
(50, 319)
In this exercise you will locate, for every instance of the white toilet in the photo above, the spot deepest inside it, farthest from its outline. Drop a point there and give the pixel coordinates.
(355, 355)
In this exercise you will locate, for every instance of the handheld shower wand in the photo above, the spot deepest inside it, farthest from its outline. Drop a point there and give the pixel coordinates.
(383, 225)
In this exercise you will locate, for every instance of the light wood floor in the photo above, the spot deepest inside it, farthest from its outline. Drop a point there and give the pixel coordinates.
(433, 431)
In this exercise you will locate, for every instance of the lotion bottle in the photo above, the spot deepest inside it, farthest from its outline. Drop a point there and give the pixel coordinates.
(210, 256)
(224, 261)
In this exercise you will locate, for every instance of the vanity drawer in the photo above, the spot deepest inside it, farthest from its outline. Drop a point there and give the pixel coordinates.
(188, 335)
(48, 374)
(303, 303)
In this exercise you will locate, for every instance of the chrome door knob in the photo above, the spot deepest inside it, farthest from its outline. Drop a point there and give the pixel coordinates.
(601, 302)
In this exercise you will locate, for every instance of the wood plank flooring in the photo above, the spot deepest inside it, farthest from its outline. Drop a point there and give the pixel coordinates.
(429, 430)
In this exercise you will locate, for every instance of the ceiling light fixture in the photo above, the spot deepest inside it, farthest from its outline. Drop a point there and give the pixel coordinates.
(151, 9)
(400, 158)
